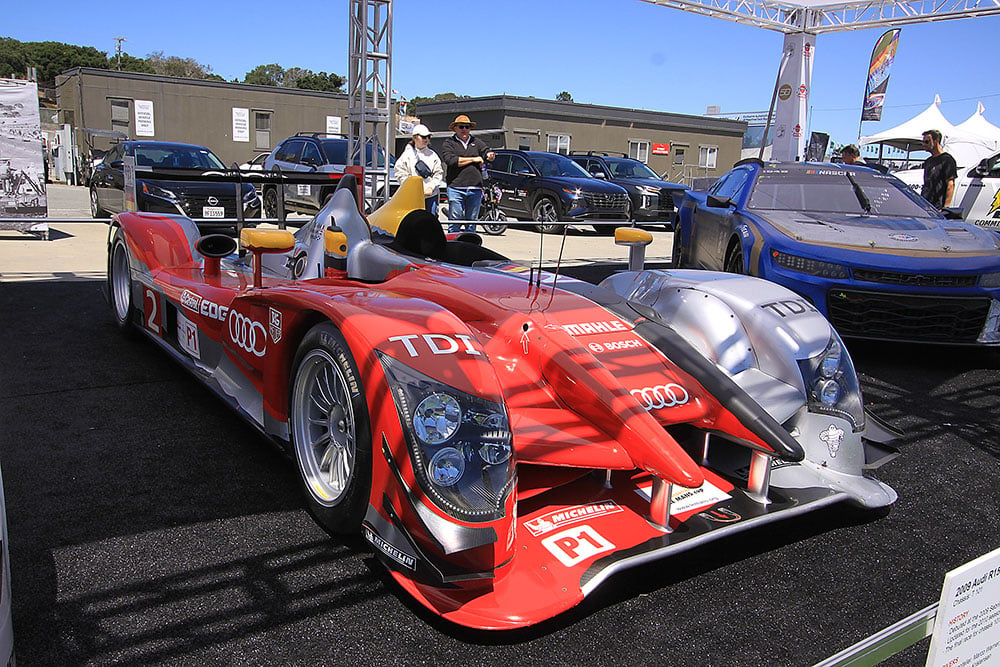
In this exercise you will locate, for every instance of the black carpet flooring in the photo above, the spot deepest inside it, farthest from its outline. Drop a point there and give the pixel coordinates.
(148, 524)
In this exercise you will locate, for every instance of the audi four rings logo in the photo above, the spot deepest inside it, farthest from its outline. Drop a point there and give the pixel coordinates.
(661, 396)
(247, 334)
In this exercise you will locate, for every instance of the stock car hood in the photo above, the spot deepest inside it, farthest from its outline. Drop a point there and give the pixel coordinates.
(882, 232)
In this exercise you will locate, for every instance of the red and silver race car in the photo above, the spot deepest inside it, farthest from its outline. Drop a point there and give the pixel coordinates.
(504, 438)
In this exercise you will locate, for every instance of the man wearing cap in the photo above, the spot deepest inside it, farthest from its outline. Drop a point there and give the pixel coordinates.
(464, 158)
(419, 159)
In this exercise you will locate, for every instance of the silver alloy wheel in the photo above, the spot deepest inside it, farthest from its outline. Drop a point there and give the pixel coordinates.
(95, 207)
(544, 211)
(121, 283)
(325, 438)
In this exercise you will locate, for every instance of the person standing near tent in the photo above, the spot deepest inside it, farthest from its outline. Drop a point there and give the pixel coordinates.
(940, 171)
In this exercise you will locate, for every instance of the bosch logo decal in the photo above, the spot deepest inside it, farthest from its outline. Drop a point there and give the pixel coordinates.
(417, 344)
(247, 334)
(203, 307)
(615, 345)
(594, 327)
(661, 396)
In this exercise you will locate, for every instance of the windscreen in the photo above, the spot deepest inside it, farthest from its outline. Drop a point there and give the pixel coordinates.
(862, 192)
(630, 169)
(553, 164)
(335, 151)
(174, 157)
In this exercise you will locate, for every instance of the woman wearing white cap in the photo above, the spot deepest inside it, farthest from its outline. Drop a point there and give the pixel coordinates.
(418, 159)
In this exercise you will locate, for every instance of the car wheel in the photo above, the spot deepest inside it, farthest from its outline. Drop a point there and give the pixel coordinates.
(734, 259)
(271, 203)
(494, 228)
(629, 210)
(546, 210)
(95, 207)
(330, 431)
(120, 285)
(675, 251)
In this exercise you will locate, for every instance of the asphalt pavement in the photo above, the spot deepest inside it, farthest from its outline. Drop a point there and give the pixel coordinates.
(149, 525)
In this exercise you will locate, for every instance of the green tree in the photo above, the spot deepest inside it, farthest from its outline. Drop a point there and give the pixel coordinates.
(320, 81)
(266, 75)
(414, 103)
(48, 58)
(187, 68)
(131, 64)
(564, 97)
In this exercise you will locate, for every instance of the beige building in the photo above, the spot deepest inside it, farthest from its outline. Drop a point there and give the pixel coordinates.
(235, 120)
(238, 121)
(679, 147)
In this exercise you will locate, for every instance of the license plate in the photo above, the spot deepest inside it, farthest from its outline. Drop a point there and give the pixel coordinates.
(213, 212)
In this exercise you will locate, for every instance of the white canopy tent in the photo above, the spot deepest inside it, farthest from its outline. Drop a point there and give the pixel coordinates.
(968, 143)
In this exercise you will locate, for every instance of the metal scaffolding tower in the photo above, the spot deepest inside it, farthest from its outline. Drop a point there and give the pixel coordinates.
(801, 22)
(368, 95)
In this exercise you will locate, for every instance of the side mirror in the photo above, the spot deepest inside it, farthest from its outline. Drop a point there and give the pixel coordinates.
(718, 202)
(525, 172)
(599, 174)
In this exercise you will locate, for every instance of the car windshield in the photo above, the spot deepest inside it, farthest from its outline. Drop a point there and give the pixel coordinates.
(621, 168)
(553, 164)
(335, 151)
(183, 157)
(832, 190)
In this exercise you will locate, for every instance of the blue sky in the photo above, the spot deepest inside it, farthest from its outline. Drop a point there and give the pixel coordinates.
(622, 53)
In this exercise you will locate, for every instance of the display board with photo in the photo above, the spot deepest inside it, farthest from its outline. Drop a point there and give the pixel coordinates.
(22, 173)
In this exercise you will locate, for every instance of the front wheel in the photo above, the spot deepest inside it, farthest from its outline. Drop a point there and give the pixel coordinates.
(330, 430)
(95, 205)
(546, 212)
(734, 259)
(120, 285)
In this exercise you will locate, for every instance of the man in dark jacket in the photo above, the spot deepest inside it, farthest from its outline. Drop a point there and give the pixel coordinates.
(464, 159)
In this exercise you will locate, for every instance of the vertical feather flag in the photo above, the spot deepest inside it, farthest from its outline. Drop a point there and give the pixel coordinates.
(878, 75)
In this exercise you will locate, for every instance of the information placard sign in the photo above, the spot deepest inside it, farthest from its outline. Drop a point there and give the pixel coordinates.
(241, 124)
(967, 628)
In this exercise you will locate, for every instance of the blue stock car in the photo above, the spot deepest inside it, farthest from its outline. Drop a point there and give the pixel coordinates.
(877, 259)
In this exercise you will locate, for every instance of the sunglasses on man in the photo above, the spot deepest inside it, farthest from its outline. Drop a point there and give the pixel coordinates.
(464, 127)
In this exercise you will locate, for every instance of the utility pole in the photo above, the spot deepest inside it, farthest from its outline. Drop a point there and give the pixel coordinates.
(118, 50)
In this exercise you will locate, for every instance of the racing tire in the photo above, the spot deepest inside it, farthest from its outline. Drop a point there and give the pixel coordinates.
(120, 292)
(271, 203)
(734, 259)
(546, 210)
(95, 208)
(330, 430)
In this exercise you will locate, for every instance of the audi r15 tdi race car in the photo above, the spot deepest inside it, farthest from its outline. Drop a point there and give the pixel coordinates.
(504, 438)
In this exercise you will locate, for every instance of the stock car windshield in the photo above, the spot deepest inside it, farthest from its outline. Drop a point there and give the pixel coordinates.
(622, 168)
(830, 190)
(184, 157)
(553, 164)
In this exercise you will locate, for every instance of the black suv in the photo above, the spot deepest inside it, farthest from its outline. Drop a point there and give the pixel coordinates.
(650, 199)
(314, 152)
(550, 188)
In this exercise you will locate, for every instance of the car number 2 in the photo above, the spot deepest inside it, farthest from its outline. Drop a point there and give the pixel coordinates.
(576, 545)
(152, 311)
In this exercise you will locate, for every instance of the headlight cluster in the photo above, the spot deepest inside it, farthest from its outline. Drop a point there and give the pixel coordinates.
(813, 267)
(989, 280)
(832, 384)
(648, 190)
(157, 191)
(575, 193)
(459, 444)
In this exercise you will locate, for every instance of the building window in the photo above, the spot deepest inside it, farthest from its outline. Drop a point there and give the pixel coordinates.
(120, 116)
(524, 143)
(639, 150)
(679, 154)
(707, 156)
(262, 130)
(558, 143)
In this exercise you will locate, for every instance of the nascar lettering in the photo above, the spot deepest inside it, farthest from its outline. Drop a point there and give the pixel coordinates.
(661, 396)
(247, 334)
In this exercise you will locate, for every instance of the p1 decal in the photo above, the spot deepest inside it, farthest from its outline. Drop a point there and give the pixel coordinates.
(187, 336)
(152, 318)
(576, 545)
